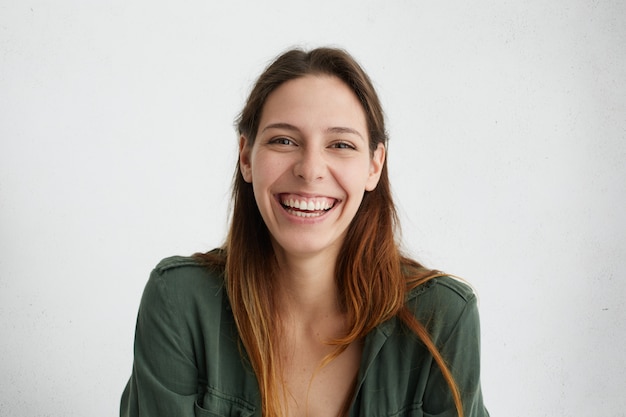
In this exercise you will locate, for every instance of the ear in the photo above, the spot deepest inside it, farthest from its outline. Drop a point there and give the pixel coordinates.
(376, 167)
(244, 159)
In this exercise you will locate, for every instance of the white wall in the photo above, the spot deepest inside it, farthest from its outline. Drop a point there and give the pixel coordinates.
(508, 158)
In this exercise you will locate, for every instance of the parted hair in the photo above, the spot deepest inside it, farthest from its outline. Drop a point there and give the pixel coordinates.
(372, 276)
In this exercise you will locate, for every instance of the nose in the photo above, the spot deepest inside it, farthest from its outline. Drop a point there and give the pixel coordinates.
(311, 166)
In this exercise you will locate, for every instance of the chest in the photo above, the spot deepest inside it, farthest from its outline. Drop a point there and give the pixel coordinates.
(315, 389)
(393, 377)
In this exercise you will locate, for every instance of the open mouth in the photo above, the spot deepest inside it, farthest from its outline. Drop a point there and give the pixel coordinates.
(306, 207)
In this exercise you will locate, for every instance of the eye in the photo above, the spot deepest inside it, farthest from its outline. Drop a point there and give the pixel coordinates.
(343, 145)
(282, 141)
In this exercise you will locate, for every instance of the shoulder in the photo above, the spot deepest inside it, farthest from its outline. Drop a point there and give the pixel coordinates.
(181, 280)
(442, 303)
(447, 287)
(453, 289)
(187, 270)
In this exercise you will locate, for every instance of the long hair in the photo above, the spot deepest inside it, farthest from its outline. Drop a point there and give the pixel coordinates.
(372, 276)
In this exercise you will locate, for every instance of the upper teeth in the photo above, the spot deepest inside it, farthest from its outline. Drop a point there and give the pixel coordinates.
(308, 205)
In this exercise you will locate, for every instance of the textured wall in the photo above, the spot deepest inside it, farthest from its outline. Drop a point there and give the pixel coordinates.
(508, 159)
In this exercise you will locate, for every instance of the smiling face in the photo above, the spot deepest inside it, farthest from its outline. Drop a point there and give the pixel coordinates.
(310, 164)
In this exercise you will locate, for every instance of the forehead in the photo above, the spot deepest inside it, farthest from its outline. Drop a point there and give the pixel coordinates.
(314, 99)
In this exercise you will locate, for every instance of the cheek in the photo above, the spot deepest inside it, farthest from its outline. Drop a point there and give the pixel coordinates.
(266, 170)
(353, 182)
(267, 173)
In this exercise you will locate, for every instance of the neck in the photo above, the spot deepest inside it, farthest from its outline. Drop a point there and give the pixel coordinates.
(308, 291)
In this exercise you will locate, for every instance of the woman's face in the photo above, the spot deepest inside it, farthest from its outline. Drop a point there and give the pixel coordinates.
(310, 164)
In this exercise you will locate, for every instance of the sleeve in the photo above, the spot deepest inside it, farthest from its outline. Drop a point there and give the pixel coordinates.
(164, 379)
(460, 348)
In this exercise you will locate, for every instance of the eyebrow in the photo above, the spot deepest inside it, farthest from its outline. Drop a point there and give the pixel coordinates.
(285, 126)
(336, 129)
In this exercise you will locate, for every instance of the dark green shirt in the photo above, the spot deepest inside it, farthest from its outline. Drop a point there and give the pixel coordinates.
(188, 359)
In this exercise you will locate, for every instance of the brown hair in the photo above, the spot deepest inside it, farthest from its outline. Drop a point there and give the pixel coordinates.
(372, 276)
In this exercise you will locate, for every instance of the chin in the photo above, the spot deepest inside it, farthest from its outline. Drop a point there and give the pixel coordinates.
(303, 249)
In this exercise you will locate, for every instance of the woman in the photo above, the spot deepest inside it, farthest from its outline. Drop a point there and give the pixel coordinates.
(309, 308)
